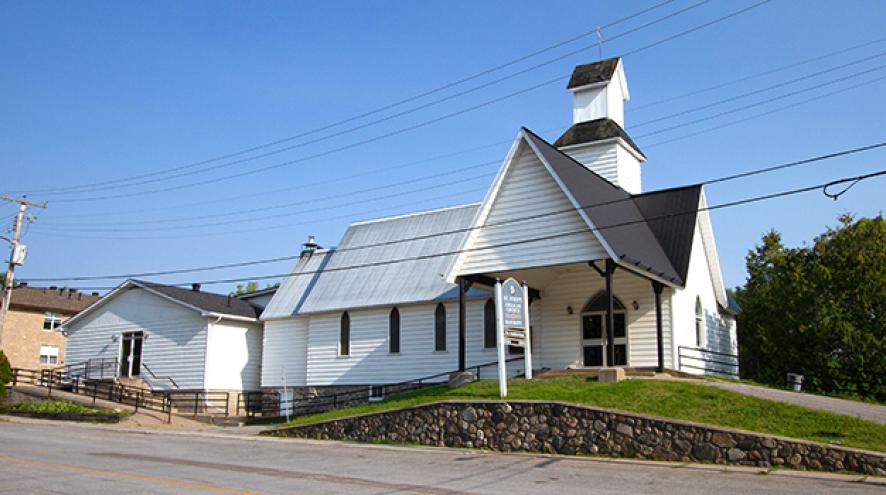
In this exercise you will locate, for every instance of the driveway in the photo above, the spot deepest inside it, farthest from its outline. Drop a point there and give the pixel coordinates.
(44, 458)
(864, 410)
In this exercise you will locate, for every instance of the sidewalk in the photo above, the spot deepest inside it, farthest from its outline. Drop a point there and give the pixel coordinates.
(863, 410)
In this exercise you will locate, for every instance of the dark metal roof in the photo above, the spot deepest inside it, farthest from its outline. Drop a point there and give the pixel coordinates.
(593, 73)
(595, 130)
(613, 212)
(206, 301)
(64, 301)
(671, 215)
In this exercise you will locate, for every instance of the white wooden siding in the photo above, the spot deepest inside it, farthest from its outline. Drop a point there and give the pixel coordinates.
(602, 158)
(528, 189)
(284, 352)
(233, 356)
(559, 333)
(719, 331)
(176, 336)
(629, 171)
(590, 104)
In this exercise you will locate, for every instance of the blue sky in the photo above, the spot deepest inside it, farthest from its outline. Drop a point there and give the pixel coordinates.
(98, 91)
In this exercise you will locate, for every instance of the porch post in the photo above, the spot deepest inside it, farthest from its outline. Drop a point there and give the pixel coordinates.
(610, 314)
(659, 332)
(462, 322)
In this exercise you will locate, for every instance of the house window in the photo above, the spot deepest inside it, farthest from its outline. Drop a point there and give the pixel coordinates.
(699, 323)
(376, 393)
(489, 327)
(344, 337)
(440, 328)
(51, 321)
(48, 354)
(394, 332)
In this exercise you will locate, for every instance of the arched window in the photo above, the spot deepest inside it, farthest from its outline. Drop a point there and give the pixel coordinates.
(489, 330)
(344, 336)
(394, 332)
(440, 328)
(699, 323)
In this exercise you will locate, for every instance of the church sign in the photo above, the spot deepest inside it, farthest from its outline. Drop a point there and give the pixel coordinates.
(512, 322)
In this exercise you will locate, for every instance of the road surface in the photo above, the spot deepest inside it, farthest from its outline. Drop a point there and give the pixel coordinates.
(53, 458)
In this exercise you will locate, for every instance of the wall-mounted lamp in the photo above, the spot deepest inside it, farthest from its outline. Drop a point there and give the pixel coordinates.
(114, 337)
(635, 305)
(569, 310)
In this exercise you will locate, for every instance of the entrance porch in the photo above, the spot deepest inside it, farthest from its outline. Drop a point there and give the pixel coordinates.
(591, 315)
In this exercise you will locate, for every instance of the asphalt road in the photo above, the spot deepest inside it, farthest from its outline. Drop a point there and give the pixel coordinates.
(58, 458)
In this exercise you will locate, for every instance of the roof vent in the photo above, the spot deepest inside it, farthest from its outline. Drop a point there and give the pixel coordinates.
(310, 246)
(95, 293)
(195, 287)
(53, 287)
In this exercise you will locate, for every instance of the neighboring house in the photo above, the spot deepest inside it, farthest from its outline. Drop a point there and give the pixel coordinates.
(170, 338)
(32, 334)
(564, 217)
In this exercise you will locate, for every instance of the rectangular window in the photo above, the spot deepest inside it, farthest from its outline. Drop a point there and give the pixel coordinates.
(51, 321)
(48, 354)
(376, 393)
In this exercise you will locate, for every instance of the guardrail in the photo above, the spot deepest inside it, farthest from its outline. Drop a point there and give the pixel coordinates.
(160, 378)
(707, 361)
(269, 404)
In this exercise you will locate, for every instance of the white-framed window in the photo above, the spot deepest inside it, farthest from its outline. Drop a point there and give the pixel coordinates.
(52, 321)
(699, 323)
(376, 393)
(48, 354)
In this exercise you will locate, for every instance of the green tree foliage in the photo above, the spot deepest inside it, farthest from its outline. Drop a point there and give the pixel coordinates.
(5, 374)
(251, 287)
(818, 310)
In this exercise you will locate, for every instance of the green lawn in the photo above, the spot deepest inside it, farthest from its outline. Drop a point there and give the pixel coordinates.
(58, 406)
(678, 400)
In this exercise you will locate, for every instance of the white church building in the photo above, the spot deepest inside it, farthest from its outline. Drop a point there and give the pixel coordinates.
(618, 277)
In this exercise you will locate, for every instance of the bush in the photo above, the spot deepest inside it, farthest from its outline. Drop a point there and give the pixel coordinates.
(5, 374)
(58, 406)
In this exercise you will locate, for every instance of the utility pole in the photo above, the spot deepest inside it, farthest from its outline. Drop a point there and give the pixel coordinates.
(16, 257)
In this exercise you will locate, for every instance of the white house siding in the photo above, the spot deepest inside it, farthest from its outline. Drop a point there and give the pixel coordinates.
(176, 336)
(719, 332)
(602, 158)
(590, 104)
(370, 362)
(284, 352)
(629, 171)
(233, 356)
(528, 189)
(559, 333)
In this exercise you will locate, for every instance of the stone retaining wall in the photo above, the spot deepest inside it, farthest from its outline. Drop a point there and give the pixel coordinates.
(561, 428)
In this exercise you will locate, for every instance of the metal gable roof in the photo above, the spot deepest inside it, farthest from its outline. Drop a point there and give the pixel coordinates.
(324, 281)
(671, 215)
(612, 211)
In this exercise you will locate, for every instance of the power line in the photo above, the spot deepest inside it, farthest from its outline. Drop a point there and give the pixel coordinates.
(412, 127)
(750, 173)
(745, 201)
(761, 90)
(763, 114)
(763, 102)
(754, 76)
(384, 107)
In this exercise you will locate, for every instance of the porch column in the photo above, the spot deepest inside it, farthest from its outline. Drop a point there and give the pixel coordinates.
(659, 332)
(610, 314)
(462, 322)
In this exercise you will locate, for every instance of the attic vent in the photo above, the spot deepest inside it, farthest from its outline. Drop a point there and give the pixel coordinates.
(310, 246)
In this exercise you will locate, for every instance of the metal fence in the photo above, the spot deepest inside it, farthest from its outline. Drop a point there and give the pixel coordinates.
(698, 359)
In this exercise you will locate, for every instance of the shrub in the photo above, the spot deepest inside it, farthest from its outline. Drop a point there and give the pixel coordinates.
(5, 374)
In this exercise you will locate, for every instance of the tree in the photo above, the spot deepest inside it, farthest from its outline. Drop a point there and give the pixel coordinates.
(251, 286)
(818, 310)
(5, 374)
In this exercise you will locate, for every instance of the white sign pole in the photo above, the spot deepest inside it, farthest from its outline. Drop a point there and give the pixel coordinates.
(527, 356)
(500, 330)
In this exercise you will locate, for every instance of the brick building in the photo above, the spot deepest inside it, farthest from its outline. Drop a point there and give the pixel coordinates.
(32, 336)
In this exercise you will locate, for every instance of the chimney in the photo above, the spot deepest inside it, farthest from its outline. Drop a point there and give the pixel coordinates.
(53, 287)
(310, 246)
(195, 287)
(597, 138)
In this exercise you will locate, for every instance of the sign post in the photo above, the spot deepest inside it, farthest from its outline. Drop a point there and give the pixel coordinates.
(512, 318)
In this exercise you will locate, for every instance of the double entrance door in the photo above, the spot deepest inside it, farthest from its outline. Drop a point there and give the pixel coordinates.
(131, 354)
(595, 351)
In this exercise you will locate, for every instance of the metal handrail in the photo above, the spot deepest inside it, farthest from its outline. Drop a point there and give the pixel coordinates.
(323, 402)
(706, 360)
(151, 372)
(708, 351)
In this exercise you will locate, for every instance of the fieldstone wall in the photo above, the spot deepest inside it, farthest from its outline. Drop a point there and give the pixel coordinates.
(561, 428)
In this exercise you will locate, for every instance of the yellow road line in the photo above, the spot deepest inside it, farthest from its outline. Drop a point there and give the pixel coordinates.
(123, 474)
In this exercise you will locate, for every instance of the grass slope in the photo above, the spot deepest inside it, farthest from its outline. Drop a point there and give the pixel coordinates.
(679, 400)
